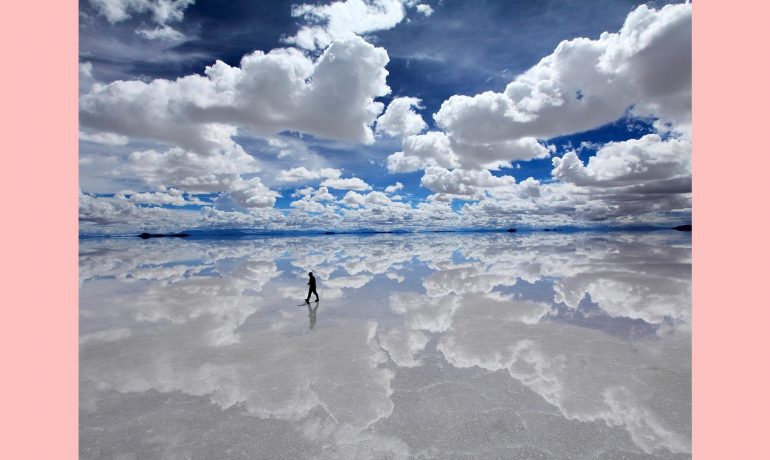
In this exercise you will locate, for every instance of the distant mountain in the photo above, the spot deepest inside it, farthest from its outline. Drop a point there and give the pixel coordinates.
(684, 228)
(145, 236)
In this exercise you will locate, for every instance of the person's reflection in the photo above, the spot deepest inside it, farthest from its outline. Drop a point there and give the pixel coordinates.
(311, 313)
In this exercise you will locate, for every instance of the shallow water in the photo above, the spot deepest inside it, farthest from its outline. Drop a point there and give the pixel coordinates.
(540, 345)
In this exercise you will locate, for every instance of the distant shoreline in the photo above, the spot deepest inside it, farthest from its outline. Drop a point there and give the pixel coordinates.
(246, 234)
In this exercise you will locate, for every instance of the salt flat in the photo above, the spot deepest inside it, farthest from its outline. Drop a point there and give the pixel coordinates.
(447, 346)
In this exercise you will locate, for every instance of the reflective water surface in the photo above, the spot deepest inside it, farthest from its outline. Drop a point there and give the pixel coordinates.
(445, 346)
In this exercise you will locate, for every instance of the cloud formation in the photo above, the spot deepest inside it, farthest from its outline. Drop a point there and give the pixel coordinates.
(400, 119)
(296, 118)
(161, 11)
(302, 174)
(586, 83)
(342, 20)
(351, 183)
(649, 163)
(282, 90)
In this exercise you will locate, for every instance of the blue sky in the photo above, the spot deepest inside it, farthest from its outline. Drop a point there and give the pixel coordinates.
(383, 114)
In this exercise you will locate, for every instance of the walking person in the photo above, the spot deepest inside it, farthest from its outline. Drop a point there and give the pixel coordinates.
(311, 288)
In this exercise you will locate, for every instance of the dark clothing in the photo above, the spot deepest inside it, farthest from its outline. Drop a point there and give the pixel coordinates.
(311, 289)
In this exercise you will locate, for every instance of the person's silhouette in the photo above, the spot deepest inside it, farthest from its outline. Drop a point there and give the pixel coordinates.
(311, 288)
(311, 313)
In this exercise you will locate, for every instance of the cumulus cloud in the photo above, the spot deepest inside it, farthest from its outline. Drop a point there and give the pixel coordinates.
(529, 187)
(351, 183)
(192, 171)
(583, 84)
(353, 199)
(556, 203)
(436, 148)
(586, 83)
(283, 90)
(195, 125)
(424, 9)
(394, 188)
(467, 184)
(430, 149)
(120, 216)
(377, 200)
(161, 12)
(649, 162)
(301, 173)
(171, 197)
(252, 193)
(400, 119)
(200, 116)
(311, 200)
(343, 20)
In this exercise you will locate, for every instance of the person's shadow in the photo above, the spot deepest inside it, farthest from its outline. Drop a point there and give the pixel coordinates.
(311, 313)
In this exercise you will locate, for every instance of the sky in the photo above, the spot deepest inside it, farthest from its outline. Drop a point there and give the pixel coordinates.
(383, 114)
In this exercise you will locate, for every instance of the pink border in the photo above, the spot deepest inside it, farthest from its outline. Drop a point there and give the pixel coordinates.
(731, 321)
(39, 230)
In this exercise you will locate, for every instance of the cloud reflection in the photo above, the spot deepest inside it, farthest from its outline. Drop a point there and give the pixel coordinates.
(218, 321)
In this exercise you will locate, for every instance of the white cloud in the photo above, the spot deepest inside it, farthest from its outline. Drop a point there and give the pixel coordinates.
(312, 199)
(302, 192)
(393, 188)
(342, 20)
(283, 90)
(303, 174)
(400, 120)
(649, 162)
(353, 199)
(352, 183)
(103, 138)
(436, 148)
(164, 32)
(322, 194)
(586, 83)
(493, 155)
(633, 181)
(529, 187)
(162, 11)
(202, 118)
(369, 200)
(307, 205)
(430, 149)
(191, 171)
(171, 196)
(85, 77)
(252, 193)
(424, 9)
(120, 216)
(460, 183)
(85, 69)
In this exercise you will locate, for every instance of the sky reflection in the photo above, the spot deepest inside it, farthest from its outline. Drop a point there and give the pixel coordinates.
(423, 346)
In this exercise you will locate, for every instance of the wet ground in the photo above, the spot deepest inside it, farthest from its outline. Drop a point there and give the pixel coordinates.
(446, 346)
